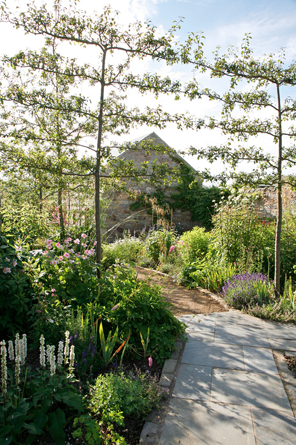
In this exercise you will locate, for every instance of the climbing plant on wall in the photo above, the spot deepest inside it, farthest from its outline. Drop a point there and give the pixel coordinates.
(189, 195)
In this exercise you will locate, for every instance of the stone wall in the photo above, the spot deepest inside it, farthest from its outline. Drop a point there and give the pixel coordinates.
(267, 206)
(139, 220)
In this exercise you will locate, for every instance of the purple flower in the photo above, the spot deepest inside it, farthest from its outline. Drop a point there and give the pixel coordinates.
(93, 351)
(83, 354)
(84, 361)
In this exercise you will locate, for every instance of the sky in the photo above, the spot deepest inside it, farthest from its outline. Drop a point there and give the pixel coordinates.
(272, 25)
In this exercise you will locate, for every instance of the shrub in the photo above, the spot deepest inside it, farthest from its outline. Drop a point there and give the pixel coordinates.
(134, 306)
(194, 244)
(247, 289)
(127, 249)
(210, 275)
(158, 243)
(70, 270)
(239, 230)
(134, 394)
(17, 295)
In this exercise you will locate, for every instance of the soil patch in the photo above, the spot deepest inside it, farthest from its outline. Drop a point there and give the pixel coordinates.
(184, 301)
(291, 362)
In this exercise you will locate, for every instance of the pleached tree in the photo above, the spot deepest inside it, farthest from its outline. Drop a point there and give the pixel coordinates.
(112, 115)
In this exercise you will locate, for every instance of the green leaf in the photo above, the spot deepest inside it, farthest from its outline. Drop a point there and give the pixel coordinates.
(74, 400)
(33, 429)
(5, 430)
(5, 441)
(57, 422)
(18, 417)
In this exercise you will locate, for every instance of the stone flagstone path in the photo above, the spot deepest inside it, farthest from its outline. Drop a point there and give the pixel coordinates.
(228, 390)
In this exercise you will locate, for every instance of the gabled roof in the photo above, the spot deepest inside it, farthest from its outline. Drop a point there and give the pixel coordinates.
(158, 141)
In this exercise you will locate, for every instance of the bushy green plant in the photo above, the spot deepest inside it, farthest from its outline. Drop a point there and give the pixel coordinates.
(278, 309)
(70, 270)
(238, 228)
(134, 394)
(134, 306)
(90, 431)
(17, 295)
(194, 244)
(210, 275)
(158, 242)
(244, 289)
(127, 249)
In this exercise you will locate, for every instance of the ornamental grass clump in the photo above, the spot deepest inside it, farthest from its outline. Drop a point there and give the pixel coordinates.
(247, 289)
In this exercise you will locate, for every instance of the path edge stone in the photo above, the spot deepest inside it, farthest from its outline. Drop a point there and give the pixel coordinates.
(287, 377)
(154, 422)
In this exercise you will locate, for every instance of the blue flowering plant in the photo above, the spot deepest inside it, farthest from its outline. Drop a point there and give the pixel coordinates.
(247, 289)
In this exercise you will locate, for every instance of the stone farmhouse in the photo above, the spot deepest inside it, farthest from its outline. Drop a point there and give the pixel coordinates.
(119, 213)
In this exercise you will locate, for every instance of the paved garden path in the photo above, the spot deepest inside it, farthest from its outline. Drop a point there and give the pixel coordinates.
(228, 390)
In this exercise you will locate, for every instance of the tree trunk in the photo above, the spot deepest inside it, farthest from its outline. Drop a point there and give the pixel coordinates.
(60, 205)
(277, 260)
(98, 171)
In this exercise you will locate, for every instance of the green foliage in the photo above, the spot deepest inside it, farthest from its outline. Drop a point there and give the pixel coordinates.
(190, 195)
(247, 289)
(89, 431)
(69, 269)
(208, 274)
(25, 221)
(278, 309)
(39, 402)
(127, 249)
(194, 245)
(158, 243)
(17, 295)
(134, 394)
(196, 198)
(136, 306)
(108, 344)
(239, 229)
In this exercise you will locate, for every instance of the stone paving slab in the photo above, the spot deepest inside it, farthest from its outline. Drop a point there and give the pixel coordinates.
(193, 382)
(249, 388)
(259, 360)
(192, 423)
(241, 335)
(274, 427)
(202, 326)
(212, 354)
(235, 318)
(201, 336)
(280, 330)
(282, 344)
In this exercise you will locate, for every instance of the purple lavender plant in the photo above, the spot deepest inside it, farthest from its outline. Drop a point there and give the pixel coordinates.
(241, 290)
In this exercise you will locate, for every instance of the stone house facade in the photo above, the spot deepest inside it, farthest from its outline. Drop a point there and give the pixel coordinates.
(119, 213)
(267, 205)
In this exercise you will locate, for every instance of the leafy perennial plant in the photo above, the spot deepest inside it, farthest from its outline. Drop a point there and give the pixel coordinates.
(246, 288)
(34, 401)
